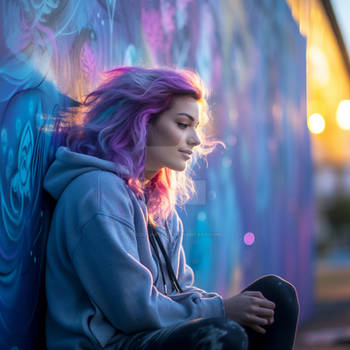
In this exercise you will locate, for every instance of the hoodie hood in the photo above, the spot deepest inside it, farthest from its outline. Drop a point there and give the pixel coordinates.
(68, 165)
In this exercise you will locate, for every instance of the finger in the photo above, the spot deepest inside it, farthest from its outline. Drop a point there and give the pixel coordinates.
(258, 329)
(254, 293)
(266, 313)
(256, 303)
(267, 303)
(261, 298)
(256, 320)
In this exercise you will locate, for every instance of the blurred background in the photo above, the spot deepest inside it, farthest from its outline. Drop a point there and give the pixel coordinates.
(326, 27)
(275, 200)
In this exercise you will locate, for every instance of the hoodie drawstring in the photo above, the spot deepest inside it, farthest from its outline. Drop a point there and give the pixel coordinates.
(153, 235)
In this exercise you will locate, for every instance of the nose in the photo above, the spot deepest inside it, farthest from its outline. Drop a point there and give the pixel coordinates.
(194, 139)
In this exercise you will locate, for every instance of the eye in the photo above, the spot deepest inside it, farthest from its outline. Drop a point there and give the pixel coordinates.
(182, 125)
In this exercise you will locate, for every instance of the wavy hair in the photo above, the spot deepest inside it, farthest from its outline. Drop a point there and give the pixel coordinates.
(111, 123)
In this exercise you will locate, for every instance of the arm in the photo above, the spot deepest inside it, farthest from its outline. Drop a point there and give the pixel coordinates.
(107, 264)
(184, 272)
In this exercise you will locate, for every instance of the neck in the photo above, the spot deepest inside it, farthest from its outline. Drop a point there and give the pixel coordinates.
(149, 175)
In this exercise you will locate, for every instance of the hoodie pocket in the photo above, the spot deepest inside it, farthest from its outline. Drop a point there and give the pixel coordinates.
(101, 330)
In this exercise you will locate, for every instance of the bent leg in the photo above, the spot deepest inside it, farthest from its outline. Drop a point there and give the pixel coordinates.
(280, 334)
(199, 334)
(206, 333)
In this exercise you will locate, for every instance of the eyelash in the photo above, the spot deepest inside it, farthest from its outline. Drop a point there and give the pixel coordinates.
(182, 125)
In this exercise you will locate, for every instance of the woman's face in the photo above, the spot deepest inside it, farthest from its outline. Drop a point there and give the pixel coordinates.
(170, 135)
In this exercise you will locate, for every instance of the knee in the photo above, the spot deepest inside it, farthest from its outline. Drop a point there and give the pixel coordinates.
(279, 283)
(282, 289)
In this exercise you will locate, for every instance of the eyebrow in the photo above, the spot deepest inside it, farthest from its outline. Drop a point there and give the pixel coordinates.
(188, 116)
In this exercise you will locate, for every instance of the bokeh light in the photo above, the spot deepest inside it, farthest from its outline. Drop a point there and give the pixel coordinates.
(202, 216)
(249, 238)
(316, 123)
(319, 66)
(343, 115)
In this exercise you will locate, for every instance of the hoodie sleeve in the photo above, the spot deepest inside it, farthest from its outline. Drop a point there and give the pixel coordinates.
(106, 261)
(185, 275)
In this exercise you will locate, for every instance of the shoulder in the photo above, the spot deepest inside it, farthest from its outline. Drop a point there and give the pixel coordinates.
(100, 192)
(99, 182)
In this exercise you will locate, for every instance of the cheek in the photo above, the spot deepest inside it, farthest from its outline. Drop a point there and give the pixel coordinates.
(169, 136)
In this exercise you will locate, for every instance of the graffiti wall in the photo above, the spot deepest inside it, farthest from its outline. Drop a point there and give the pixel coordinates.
(253, 213)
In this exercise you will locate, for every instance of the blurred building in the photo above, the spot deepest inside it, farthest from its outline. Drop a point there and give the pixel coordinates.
(328, 101)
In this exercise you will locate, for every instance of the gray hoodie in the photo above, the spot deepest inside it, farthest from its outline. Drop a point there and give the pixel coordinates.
(102, 276)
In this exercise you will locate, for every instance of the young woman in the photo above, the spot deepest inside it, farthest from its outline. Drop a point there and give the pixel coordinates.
(116, 272)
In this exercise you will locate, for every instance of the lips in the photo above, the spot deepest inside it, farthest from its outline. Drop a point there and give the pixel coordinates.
(186, 155)
(186, 151)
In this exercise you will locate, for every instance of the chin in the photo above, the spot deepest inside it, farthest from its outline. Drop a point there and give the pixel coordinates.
(177, 167)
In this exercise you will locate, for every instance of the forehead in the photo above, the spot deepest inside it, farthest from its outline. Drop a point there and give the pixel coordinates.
(186, 104)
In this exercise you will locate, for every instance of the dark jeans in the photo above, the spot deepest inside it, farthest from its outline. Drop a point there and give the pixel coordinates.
(280, 334)
(223, 333)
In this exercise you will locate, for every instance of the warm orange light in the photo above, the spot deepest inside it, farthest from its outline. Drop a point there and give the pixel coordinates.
(343, 115)
(319, 67)
(316, 123)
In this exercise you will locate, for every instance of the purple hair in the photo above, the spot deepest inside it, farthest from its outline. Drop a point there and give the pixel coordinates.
(112, 124)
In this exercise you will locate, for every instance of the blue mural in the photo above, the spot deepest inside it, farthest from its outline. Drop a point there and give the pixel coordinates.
(254, 210)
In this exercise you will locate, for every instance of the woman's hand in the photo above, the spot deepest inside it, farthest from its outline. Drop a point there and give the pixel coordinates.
(250, 309)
